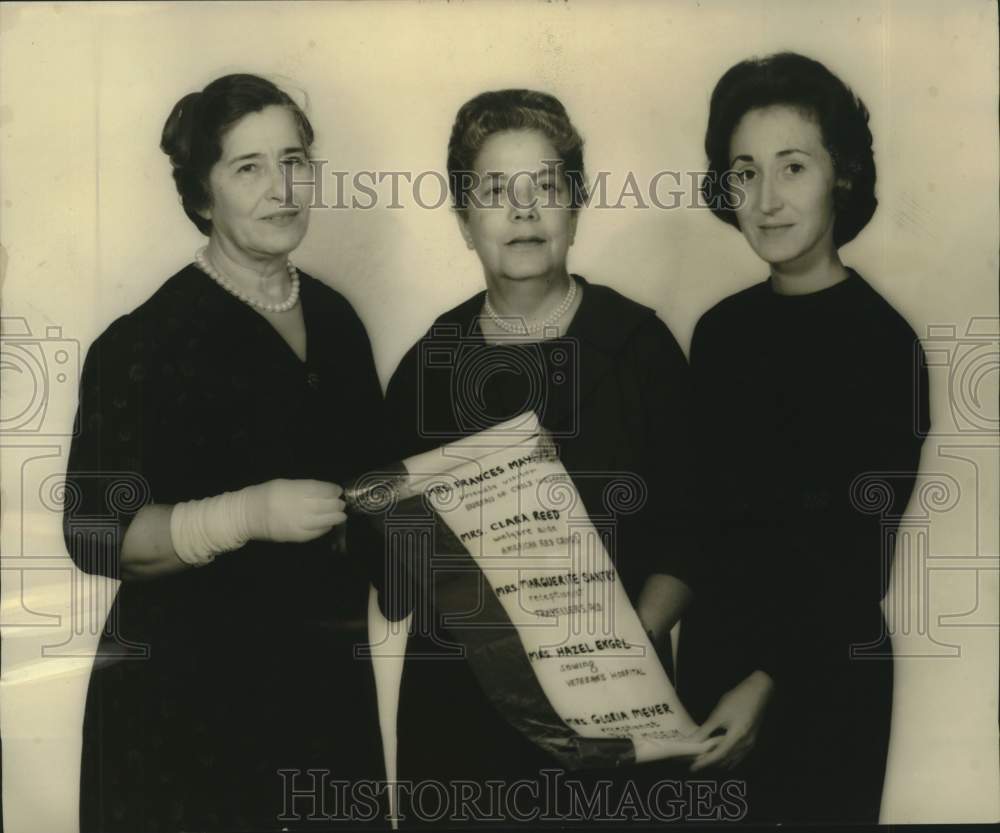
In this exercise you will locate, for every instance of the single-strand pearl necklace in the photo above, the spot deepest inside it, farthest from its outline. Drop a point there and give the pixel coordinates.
(521, 328)
(230, 287)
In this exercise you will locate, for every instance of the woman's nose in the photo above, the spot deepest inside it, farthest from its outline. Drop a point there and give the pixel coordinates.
(281, 184)
(523, 201)
(769, 199)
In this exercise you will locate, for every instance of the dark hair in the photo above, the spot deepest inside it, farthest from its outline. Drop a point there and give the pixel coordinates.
(796, 81)
(500, 110)
(192, 136)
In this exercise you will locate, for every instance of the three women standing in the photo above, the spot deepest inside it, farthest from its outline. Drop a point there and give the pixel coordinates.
(242, 391)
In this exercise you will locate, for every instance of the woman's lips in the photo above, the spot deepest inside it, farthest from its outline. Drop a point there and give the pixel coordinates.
(526, 241)
(775, 228)
(285, 218)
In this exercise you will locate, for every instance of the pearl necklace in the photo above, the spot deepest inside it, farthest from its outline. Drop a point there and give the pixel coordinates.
(283, 306)
(521, 328)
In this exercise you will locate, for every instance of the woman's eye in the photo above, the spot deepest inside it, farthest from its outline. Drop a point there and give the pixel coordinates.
(248, 168)
(746, 175)
(293, 160)
(795, 168)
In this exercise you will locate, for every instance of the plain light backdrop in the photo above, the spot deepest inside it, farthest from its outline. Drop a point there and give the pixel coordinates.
(91, 225)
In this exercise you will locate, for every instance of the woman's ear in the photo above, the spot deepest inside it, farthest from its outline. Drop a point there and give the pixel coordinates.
(842, 193)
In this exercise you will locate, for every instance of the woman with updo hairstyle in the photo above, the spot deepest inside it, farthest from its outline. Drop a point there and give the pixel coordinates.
(216, 421)
(606, 379)
(811, 398)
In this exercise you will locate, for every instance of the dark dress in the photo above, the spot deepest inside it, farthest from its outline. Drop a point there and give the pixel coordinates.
(614, 393)
(209, 680)
(798, 398)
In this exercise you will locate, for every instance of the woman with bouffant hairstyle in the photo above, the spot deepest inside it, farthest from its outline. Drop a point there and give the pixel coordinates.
(811, 396)
(811, 88)
(216, 421)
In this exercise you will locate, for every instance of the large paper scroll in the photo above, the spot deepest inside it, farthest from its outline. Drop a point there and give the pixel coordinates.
(552, 639)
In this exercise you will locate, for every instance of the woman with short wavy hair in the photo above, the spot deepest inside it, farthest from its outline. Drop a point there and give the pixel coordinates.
(231, 403)
(605, 376)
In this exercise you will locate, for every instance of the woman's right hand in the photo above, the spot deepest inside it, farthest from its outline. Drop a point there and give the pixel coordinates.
(739, 714)
(293, 510)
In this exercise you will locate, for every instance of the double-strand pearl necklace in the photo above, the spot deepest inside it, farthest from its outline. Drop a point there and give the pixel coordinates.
(521, 328)
(230, 287)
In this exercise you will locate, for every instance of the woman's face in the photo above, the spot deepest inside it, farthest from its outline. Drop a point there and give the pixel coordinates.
(247, 184)
(788, 177)
(518, 217)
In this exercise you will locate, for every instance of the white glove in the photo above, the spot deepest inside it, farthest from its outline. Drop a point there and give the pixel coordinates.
(293, 510)
(278, 510)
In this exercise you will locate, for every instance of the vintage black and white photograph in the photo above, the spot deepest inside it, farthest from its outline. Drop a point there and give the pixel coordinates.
(458, 415)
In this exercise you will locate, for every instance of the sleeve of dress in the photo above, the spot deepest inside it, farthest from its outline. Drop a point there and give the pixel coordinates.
(402, 400)
(106, 478)
(367, 395)
(666, 401)
(390, 572)
(900, 414)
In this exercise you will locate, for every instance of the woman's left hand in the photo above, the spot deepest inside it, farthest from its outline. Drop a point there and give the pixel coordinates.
(740, 712)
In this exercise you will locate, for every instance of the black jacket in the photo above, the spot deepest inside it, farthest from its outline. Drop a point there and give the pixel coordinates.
(614, 394)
